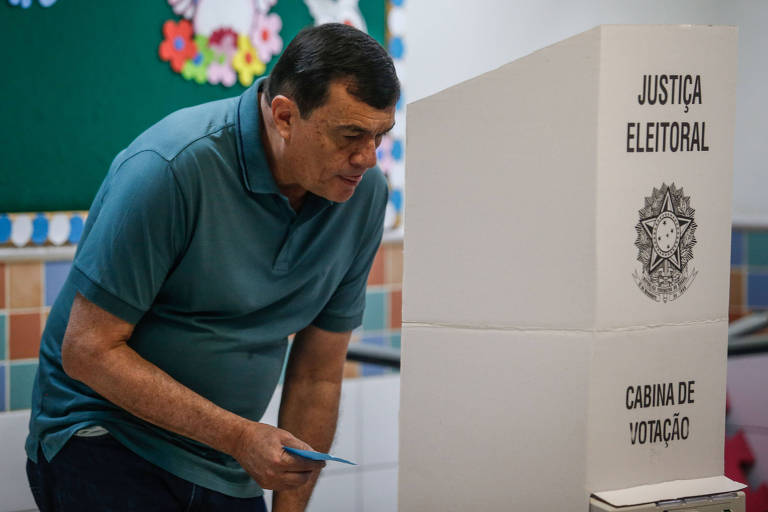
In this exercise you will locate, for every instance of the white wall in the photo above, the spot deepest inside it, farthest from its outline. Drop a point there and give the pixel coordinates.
(450, 41)
(14, 489)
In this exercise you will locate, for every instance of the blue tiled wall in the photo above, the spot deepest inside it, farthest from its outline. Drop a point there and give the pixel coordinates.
(749, 271)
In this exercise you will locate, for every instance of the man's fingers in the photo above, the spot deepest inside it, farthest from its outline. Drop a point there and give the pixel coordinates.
(288, 480)
(292, 462)
(293, 442)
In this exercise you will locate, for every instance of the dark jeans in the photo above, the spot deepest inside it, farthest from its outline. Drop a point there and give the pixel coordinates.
(98, 474)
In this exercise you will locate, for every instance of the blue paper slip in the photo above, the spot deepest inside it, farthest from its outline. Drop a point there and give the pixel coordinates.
(315, 455)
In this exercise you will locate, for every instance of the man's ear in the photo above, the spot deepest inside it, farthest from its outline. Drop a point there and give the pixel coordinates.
(285, 113)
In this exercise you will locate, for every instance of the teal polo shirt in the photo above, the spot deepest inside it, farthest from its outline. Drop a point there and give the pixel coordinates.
(190, 239)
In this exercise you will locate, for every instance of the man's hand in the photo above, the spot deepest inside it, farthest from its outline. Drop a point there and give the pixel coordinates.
(260, 451)
(95, 351)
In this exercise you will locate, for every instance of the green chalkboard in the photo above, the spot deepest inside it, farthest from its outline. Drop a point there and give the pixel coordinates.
(82, 78)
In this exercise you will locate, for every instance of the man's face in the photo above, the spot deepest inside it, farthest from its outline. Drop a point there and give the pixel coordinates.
(331, 149)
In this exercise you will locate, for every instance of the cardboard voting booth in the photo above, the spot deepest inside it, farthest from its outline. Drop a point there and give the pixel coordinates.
(567, 249)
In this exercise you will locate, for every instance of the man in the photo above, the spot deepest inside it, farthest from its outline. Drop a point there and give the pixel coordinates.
(217, 233)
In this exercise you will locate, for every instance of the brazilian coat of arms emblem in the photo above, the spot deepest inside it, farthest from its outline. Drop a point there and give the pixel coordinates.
(665, 239)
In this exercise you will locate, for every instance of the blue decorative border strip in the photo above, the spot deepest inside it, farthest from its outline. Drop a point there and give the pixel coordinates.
(41, 229)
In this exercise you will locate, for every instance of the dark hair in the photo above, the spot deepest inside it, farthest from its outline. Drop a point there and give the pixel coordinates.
(333, 51)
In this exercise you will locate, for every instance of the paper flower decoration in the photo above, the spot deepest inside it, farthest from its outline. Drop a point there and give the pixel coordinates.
(178, 46)
(264, 5)
(195, 68)
(220, 72)
(185, 8)
(224, 40)
(223, 45)
(265, 35)
(214, 14)
(246, 61)
(239, 39)
(337, 11)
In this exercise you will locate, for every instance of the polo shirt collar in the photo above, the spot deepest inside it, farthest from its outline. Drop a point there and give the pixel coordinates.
(256, 172)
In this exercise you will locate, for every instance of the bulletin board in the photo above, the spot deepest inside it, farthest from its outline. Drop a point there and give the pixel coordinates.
(82, 78)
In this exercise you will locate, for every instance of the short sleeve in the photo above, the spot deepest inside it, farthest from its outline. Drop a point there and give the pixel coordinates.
(135, 236)
(344, 311)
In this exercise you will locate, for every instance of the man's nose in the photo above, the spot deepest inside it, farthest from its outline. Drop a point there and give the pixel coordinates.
(365, 157)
